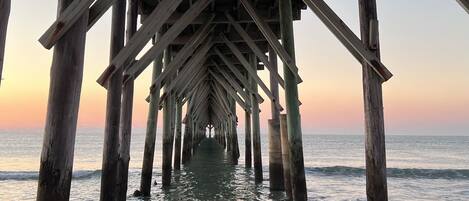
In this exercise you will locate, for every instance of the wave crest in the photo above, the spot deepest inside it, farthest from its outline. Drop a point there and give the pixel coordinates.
(393, 172)
(34, 175)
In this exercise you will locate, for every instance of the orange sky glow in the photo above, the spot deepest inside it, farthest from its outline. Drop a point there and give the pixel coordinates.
(425, 49)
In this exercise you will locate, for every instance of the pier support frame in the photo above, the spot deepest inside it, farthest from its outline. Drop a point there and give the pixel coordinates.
(297, 170)
(56, 166)
(375, 150)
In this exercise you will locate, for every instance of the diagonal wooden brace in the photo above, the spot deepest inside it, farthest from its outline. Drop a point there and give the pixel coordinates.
(272, 39)
(347, 37)
(148, 29)
(64, 22)
(160, 45)
(464, 4)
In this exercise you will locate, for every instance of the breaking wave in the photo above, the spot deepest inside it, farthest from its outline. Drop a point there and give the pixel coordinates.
(393, 172)
(34, 175)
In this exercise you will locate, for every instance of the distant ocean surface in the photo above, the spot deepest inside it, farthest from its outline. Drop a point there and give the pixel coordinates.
(419, 168)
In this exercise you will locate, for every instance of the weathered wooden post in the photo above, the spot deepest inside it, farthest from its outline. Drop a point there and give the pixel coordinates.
(375, 149)
(152, 121)
(167, 132)
(275, 148)
(228, 134)
(4, 15)
(285, 155)
(223, 135)
(186, 145)
(186, 148)
(177, 143)
(256, 133)
(195, 131)
(234, 134)
(247, 139)
(126, 113)
(55, 173)
(113, 107)
(293, 111)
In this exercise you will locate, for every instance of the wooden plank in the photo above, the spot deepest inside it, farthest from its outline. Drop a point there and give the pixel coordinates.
(148, 29)
(184, 54)
(464, 4)
(183, 90)
(198, 57)
(97, 10)
(230, 88)
(233, 83)
(168, 37)
(250, 42)
(234, 70)
(56, 163)
(233, 94)
(4, 15)
(375, 148)
(64, 22)
(251, 71)
(271, 38)
(182, 77)
(347, 37)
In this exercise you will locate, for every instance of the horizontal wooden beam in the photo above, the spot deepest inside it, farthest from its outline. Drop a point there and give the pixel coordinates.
(347, 37)
(221, 19)
(148, 29)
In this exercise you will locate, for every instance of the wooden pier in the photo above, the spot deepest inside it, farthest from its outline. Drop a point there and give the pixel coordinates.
(205, 55)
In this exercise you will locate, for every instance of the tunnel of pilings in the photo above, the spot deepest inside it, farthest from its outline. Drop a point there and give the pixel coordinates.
(205, 55)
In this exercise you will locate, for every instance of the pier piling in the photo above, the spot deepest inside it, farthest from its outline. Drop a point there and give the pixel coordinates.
(375, 150)
(66, 75)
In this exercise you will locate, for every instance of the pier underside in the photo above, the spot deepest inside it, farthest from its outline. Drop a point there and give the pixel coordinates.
(205, 56)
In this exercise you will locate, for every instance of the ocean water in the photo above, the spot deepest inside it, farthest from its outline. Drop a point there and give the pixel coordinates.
(419, 168)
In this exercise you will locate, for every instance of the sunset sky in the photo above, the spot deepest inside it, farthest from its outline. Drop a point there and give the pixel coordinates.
(424, 43)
